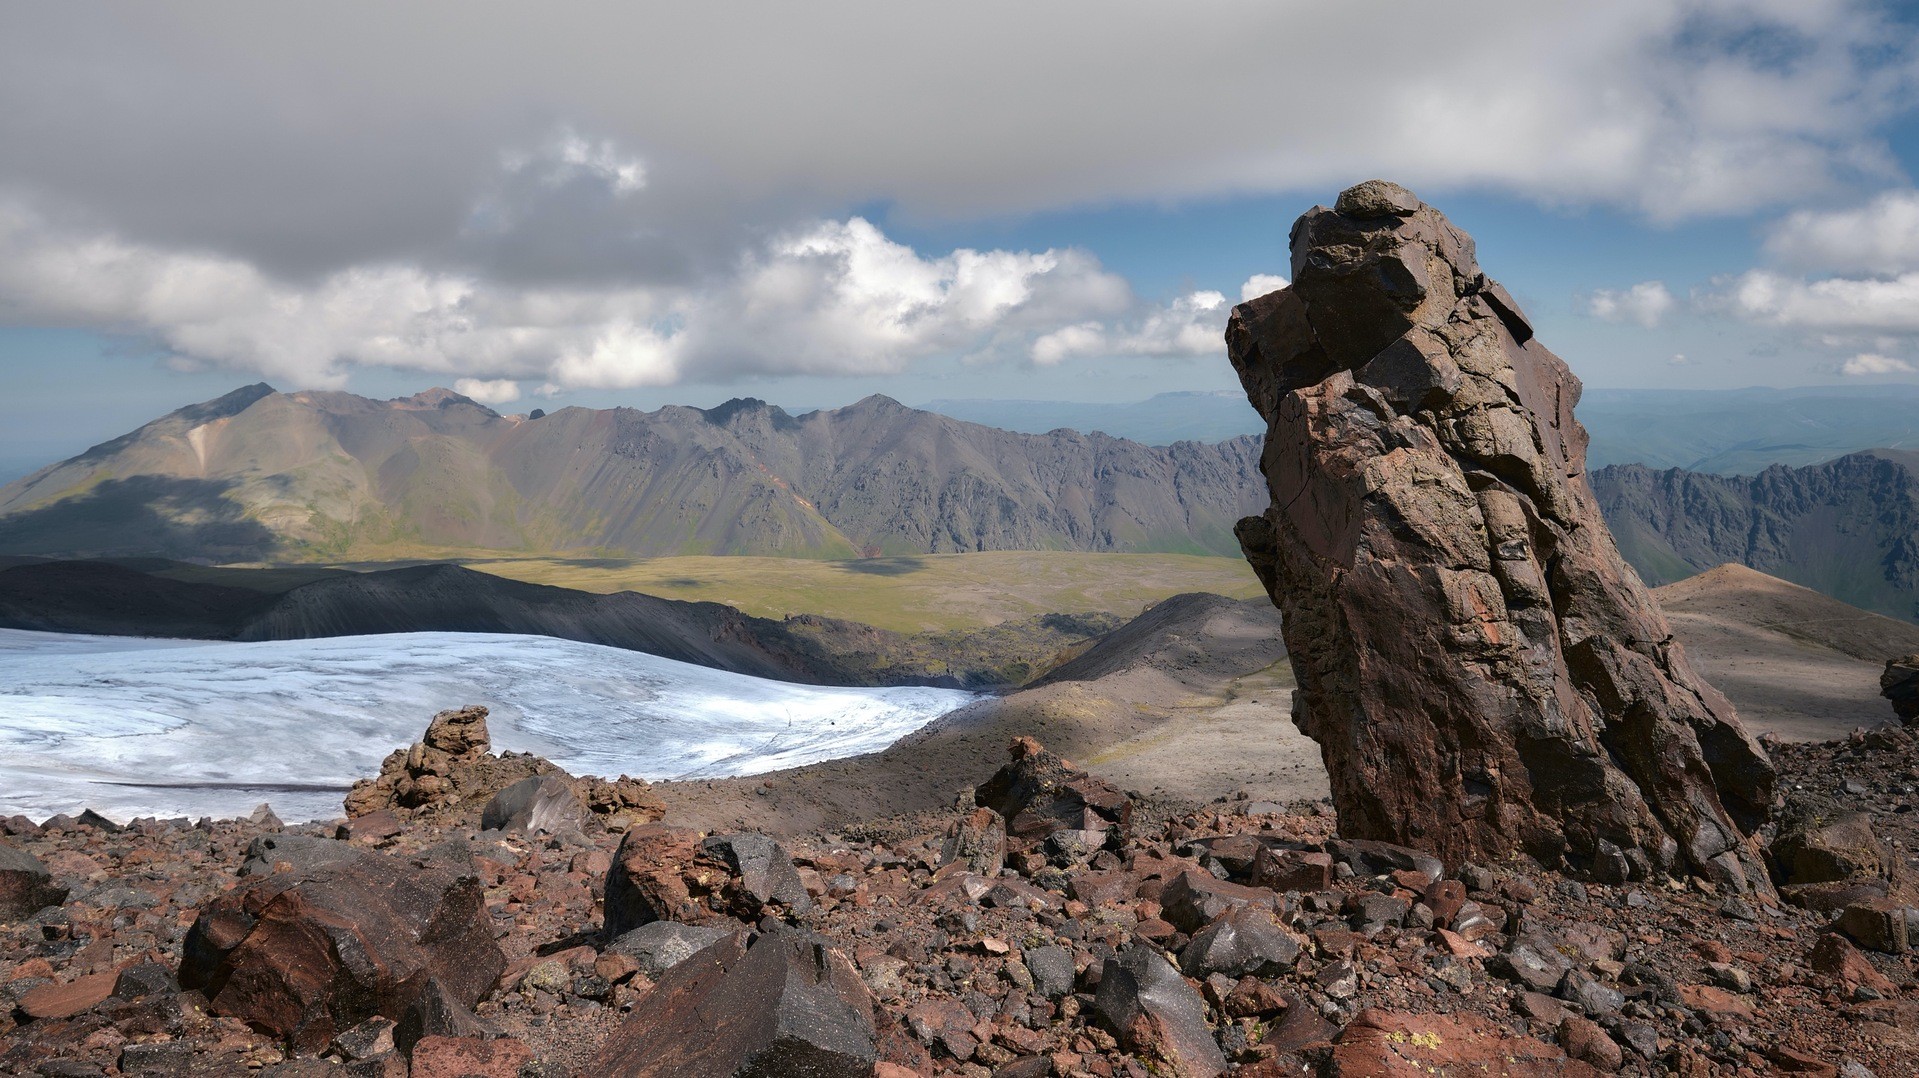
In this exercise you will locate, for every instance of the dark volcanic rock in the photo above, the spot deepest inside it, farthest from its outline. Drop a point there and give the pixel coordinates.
(1900, 684)
(1483, 673)
(26, 888)
(1246, 940)
(780, 1003)
(1039, 793)
(660, 945)
(1156, 1014)
(336, 935)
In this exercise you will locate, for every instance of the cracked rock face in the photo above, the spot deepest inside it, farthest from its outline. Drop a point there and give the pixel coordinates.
(1483, 673)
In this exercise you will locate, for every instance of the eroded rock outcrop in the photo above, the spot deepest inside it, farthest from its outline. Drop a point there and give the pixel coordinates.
(1483, 673)
(451, 773)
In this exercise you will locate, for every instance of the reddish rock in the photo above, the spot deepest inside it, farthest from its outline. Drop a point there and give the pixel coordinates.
(1039, 793)
(1715, 1001)
(1878, 924)
(1840, 960)
(469, 1057)
(1585, 1041)
(336, 935)
(1292, 870)
(663, 873)
(1195, 899)
(1388, 1044)
(779, 1003)
(1451, 592)
(66, 1000)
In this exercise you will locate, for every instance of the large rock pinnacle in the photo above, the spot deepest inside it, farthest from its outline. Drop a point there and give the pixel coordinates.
(1483, 673)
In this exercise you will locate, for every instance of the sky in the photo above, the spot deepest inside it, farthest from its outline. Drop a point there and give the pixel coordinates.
(598, 204)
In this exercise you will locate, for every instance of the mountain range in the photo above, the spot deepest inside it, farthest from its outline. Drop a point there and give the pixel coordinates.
(1848, 528)
(258, 474)
(1726, 431)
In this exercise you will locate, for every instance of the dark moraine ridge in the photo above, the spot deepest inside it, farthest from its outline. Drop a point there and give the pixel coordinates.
(112, 599)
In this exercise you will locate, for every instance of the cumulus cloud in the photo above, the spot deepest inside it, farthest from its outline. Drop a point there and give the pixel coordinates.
(1851, 305)
(1191, 325)
(1645, 304)
(1866, 364)
(493, 391)
(838, 297)
(1880, 237)
(1259, 284)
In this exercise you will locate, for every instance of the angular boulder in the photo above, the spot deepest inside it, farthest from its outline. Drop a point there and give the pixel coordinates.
(978, 842)
(1829, 847)
(1483, 673)
(1156, 1015)
(749, 1005)
(658, 946)
(663, 873)
(333, 934)
(1039, 793)
(1245, 941)
(26, 887)
(537, 803)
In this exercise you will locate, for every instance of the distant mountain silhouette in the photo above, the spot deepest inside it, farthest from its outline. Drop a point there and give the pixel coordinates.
(259, 474)
(1848, 528)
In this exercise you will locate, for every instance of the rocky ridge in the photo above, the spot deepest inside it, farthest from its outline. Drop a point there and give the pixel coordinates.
(1056, 926)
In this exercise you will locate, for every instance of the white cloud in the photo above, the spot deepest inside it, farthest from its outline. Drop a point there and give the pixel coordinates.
(1646, 304)
(496, 391)
(838, 297)
(1260, 284)
(1866, 364)
(1191, 325)
(1678, 360)
(1849, 305)
(1880, 237)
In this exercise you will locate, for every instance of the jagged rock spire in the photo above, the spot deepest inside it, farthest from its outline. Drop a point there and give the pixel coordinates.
(1483, 673)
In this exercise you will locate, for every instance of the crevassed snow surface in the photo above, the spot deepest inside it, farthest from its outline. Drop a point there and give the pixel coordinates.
(134, 727)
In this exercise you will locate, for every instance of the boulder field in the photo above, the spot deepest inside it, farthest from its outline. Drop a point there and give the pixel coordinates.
(1050, 925)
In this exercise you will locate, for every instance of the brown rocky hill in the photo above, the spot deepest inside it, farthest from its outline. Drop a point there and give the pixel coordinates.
(1848, 528)
(261, 474)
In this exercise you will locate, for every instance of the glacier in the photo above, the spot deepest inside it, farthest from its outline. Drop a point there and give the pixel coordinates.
(149, 727)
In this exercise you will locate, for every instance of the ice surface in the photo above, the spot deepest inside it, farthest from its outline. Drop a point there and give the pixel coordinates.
(136, 727)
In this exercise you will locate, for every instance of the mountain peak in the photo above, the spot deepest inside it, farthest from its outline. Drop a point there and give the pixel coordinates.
(437, 397)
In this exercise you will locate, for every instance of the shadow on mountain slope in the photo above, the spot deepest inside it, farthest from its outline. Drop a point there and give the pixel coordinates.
(143, 514)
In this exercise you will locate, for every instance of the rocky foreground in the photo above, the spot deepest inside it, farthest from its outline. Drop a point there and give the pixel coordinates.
(489, 915)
